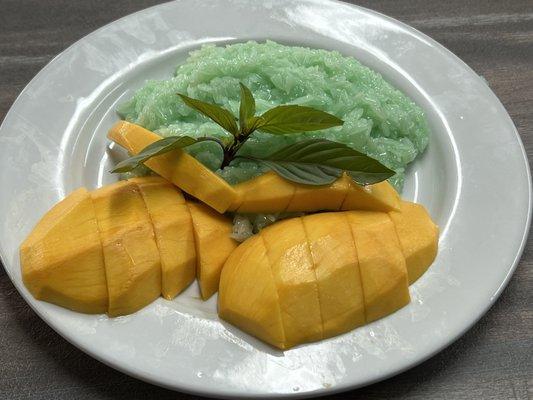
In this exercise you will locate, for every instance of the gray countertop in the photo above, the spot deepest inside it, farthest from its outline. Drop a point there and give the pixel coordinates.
(491, 361)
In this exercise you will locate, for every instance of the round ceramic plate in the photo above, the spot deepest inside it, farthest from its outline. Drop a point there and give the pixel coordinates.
(474, 179)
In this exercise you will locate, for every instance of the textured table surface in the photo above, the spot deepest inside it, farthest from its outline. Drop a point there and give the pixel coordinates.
(494, 360)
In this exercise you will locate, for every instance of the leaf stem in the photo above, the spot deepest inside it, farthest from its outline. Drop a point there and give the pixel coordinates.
(231, 151)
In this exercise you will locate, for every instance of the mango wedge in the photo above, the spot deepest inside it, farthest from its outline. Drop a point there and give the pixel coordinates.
(132, 262)
(173, 230)
(418, 236)
(381, 262)
(258, 312)
(62, 260)
(294, 275)
(340, 290)
(212, 235)
(270, 193)
(178, 167)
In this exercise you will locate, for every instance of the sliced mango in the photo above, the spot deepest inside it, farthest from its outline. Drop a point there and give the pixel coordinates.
(177, 167)
(173, 230)
(293, 270)
(379, 197)
(314, 198)
(418, 236)
(212, 234)
(132, 262)
(266, 193)
(337, 271)
(381, 262)
(62, 260)
(270, 193)
(248, 297)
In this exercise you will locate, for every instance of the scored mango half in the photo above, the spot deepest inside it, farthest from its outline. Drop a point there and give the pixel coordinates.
(267, 193)
(325, 274)
(118, 248)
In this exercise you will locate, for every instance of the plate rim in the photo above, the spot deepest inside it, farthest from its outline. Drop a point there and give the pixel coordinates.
(340, 387)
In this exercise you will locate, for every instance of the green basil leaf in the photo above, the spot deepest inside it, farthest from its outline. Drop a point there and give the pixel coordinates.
(253, 123)
(247, 107)
(294, 119)
(321, 162)
(218, 114)
(162, 146)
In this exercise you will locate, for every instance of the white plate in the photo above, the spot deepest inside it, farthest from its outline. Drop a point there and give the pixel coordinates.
(474, 179)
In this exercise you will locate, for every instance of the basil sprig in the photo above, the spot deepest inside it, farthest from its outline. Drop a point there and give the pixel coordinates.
(321, 162)
(311, 162)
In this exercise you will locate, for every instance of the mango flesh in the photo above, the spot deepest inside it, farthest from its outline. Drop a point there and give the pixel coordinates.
(378, 197)
(177, 166)
(62, 260)
(173, 230)
(267, 192)
(338, 277)
(212, 236)
(132, 262)
(250, 299)
(331, 272)
(418, 236)
(271, 193)
(313, 198)
(294, 275)
(381, 262)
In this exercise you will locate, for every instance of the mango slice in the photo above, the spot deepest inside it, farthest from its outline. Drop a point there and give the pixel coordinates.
(173, 230)
(418, 236)
(381, 262)
(314, 198)
(212, 235)
(62, 260)
(379, 197)
(270, 193)
(267, 192)
(248, 297)
(178, 167)
(132, 262)
(336, 265)
(293, 270)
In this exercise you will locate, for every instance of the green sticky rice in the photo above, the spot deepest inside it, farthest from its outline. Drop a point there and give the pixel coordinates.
(379, 120)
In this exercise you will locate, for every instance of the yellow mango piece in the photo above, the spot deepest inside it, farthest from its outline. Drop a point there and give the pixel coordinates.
(248, 297)
(177, 166)
(293, 270)
(266, 193)
(62, 260)
(173, 230)
(212, 235)
(381, 262)
(270, 193)
(132, 262)
(337, 271)
(378, 197)
(315, 198)
(418, 236)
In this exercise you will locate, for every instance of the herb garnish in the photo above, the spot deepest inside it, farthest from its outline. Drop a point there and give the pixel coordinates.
(311, 161)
